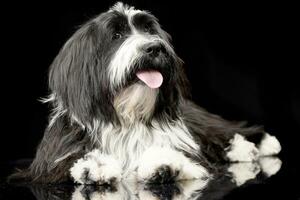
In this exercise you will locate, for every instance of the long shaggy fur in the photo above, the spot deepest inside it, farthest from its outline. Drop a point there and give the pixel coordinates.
(98, 103)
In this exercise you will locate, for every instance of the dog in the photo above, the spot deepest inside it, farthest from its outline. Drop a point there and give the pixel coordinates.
(122, 110)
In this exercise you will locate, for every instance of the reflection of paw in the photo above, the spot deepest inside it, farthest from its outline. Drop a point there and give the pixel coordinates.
(96, 168)
(269, 146)
(270, 165)
(165, 165)
(241, 150)
(242, 172)
(93, 192)
(158, 191)
(187, 189)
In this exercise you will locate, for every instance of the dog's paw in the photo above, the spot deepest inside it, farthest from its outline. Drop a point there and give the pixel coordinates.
(96, 168)
(269, 146)
(159, 165)
(192, 171)
(164, 174)
(241, 150)
(162, 165)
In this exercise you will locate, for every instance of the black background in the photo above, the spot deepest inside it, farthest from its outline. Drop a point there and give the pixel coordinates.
(236, 58)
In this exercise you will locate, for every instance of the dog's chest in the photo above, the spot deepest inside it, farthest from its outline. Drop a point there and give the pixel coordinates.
(128, 144)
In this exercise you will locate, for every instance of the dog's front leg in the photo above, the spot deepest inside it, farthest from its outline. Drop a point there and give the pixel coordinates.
(96, 168)
(160, 165)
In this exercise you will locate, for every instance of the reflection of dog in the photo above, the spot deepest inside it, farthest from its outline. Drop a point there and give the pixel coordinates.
(239, 174)
(182, 190)
(118, 87)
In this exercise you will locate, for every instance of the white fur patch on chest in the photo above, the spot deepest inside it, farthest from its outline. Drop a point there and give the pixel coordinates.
(128, 144)
(135, 103)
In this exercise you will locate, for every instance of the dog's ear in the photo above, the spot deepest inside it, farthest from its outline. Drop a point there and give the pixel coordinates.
(78, 78)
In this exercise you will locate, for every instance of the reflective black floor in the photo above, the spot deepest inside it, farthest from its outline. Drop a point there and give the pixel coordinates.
(269, 178)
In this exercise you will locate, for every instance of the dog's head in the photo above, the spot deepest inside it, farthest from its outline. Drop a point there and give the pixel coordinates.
(118, 67)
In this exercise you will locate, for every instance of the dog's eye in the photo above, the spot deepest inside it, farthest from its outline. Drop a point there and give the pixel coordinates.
(116, 36)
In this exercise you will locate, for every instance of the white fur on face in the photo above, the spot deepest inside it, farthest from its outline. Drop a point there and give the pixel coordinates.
(131, 51)
(123, 8)
(129, 54)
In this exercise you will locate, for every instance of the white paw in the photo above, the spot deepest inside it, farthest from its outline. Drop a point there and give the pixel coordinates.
(190, 188)
(269, 146)
(193, 170)
(241, 150)
(164, 164)
(97, 168)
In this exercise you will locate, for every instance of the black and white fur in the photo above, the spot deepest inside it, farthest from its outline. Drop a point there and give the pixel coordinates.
(107, 125)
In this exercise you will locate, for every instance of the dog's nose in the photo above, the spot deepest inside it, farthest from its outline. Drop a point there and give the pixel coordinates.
(154, 49)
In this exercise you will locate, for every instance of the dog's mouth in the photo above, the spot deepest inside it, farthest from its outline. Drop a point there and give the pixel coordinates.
(153, 73)
(152, 78)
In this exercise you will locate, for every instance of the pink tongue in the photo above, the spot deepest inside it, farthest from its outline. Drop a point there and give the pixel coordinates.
(153, 78)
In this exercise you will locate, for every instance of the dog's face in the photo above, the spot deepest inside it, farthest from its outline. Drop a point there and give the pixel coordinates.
(119, 66)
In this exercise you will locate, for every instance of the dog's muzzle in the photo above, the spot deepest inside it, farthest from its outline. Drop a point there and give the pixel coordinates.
(154, 49)
(147, 59)
(151, 73)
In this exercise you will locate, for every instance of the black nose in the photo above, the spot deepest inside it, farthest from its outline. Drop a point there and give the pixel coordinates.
(154, 49)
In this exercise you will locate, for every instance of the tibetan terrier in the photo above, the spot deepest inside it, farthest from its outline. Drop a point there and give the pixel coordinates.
(121, 110)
